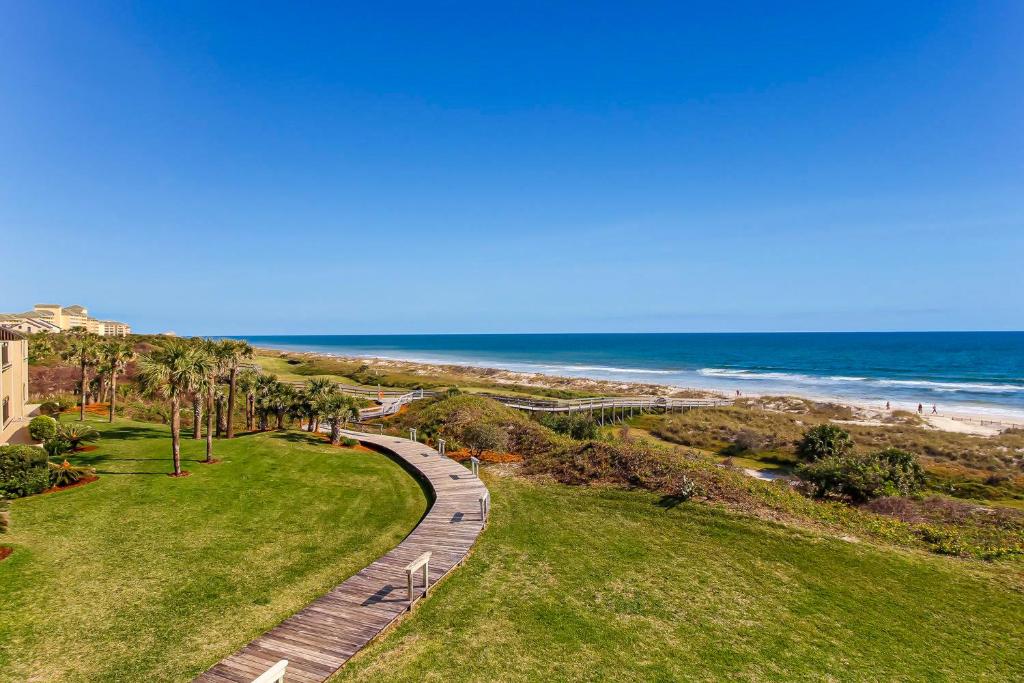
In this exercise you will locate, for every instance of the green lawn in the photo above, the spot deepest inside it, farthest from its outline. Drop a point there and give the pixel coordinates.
(142, 577)
(585, 584)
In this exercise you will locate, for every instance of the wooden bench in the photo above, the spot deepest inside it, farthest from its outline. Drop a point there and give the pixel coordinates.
(421, 562)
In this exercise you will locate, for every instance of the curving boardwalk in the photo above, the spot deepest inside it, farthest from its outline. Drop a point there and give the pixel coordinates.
(318, 640)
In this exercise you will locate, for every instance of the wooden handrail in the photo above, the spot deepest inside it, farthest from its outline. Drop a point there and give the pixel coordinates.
(421, 562)
(274, 674)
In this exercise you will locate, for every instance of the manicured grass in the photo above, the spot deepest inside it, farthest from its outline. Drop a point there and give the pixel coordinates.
(143, 577)
(570, 583)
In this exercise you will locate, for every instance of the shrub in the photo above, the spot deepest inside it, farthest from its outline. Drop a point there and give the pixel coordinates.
(891, 472)
(824, 441)
(23, 471)
(76, 433)
(484, 436)
(67, 474)
(57, 446)
(574, 425)
(42, 427)
(54, 405)
(747, 440)
(349, 443)
(5, 515)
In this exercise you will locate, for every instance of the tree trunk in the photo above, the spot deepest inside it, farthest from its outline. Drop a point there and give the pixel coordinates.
(85, 385)
(197, 417)
(220, 417)
(250, 412)
(280, 419)
(231, 402)
(263, 421)
(209, 424)
(176, 433)
(113, 395)
(335, 433)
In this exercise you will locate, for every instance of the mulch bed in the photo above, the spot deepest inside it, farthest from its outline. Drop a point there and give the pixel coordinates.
(184, 473)
(5, 552)
(81, 482)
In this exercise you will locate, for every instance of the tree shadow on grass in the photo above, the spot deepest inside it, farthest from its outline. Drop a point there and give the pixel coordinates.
(668, 502)
(300, 437)
(127, 433)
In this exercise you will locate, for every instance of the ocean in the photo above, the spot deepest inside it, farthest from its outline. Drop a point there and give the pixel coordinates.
(973, 372)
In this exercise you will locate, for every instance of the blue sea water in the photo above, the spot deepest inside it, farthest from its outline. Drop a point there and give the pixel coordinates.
(980, 372)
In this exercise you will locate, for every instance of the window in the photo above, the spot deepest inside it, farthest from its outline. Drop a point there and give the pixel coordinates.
(7, 410)
(4, 359)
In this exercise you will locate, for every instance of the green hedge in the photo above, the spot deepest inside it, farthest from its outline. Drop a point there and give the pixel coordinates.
(23, 471)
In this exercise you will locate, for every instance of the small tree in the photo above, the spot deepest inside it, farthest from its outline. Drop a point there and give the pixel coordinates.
(316, 389)
(824, 441)
(483, 436)
(114, 358)
(83, 349)
(174, 369)
(337, 409)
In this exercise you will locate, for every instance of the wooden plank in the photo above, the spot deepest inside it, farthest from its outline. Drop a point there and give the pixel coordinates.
(320, 638)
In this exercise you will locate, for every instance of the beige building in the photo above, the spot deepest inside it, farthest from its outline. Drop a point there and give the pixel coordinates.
(57, 318)
(27, 325)
(14, 387)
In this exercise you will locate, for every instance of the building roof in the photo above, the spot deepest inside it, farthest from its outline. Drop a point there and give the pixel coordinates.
(74, 309)
(10, 335)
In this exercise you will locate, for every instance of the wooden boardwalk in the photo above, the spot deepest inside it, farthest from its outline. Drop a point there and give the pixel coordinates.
(318, 640)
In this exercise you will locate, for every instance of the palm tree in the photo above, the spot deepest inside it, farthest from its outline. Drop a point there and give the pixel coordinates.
(247, 381)
(266, 386)
(317, 388)
(234, 353)
(211, 389)
(82, 348)
(174, 369)
(337, 409)
(114, 358)
(281, 400)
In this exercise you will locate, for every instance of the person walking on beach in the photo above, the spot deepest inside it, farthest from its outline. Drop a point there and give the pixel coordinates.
(934, 411)
(920, 409)
(887, 406)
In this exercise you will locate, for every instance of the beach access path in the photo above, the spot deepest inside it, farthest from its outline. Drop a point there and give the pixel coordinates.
(320, 638)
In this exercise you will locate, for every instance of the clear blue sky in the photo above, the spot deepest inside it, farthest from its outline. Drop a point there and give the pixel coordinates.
(481, 167)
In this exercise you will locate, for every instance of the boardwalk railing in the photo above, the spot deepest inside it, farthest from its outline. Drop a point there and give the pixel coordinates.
(420, 563)
(392, 400)
(274, 674)
(390, 406)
